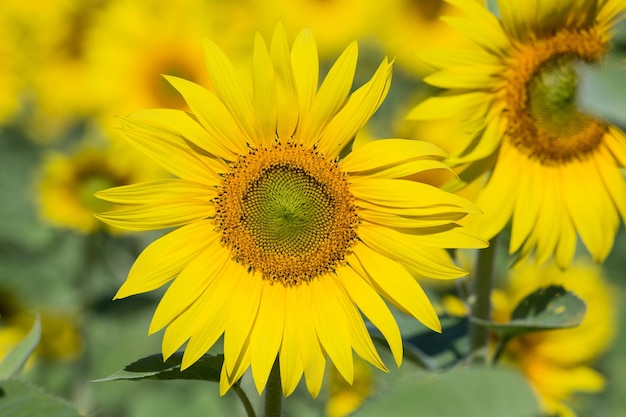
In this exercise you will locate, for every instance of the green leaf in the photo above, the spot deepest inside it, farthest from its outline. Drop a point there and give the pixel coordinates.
(14, 362)
(475, 392)
(20, 399)
(547, 308)
(207, 368)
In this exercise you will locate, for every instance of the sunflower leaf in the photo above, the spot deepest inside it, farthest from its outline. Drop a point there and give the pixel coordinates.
(207, 368)
(484, 392)
(14, 362)
(19, 398)
(547, 308)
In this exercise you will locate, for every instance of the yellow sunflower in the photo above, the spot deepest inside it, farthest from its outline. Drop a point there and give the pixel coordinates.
(557, 363)
(555, 170)
(412, 25)
(279, 243)
(67, 183)
(130, 44)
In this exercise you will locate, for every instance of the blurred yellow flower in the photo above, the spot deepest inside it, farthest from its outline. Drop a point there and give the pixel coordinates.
(133, 43)
(412, 25)
(11, 56)
(556, 171)
(558, 363)
(334, 22)
(67, 183)
(279, 243)
(50, 44)
(60, 337)
(344, 398)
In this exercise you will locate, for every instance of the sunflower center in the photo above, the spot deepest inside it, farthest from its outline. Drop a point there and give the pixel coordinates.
(87, 187)
(544, 120)
(287, 212)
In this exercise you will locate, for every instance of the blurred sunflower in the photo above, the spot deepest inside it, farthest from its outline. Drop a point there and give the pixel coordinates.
(280, 244)
(11, 56)
(334, 22)
(345, 398)
(131, 44)
(68, 182)
(555, 171)
(412, 25)
(558, 363)
(60, 336)
(49, 39)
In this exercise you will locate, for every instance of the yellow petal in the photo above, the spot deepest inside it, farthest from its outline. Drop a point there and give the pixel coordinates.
(211, 319)
(589, 207)
(243, 363)
(264, 90)
(361, 340)
(190, 283)
(396, 284)
(155, 191)
(394, 220)
(383, 153)
(480, 26)
(229, 89)
(164, 258)
(374, 308)
(331, 96)
(613, 180)
(161, 146)
(408, 194)
(449, 106)
(242, 316)
(313, 359)
(527, 205)
(360, 107)
(223, 136)
(444, 58)
(466, 77)
(497, 197)
(305, 63)
(160, 215)
(566, 246)
(267, 333)
(331, 326)
(547, 226)
(291, 367)
(287, 104)
(410, 251)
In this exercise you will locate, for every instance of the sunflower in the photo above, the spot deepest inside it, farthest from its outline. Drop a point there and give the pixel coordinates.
(130, 44)
(554, 170)
(556, 363)
(67, 183)
(279, 243)
(412, 25)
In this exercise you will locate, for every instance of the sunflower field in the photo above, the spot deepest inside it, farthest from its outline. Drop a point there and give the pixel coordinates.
(312, 208)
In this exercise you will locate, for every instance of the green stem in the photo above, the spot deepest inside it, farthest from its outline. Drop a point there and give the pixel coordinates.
(481, 307)
(499, 349)
(244, 400)
(274, 393)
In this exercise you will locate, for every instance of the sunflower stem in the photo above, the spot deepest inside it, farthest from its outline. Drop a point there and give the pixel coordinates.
(273, 393)
(481, 307)
(244, 400)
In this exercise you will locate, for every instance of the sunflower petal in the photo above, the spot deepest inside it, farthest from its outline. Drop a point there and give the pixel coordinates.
(374, 308)
(287, 104)
(267, 333)
(397, 285)
(156, 191)
(229, 89)
(160, 215)
(164, 258)
(190, 283)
